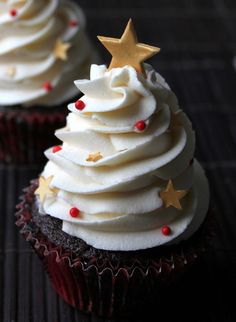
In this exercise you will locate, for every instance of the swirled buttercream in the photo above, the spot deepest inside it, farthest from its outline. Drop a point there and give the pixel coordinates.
(30, 71)
(118, 192)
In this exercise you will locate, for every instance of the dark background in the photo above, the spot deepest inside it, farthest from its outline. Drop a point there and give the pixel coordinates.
(198, 42)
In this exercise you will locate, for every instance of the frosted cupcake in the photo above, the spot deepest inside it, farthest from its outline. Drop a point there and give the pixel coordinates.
(117, 210)
(43, 48)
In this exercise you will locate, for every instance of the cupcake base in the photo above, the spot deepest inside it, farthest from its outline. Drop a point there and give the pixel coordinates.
(107, 283)
(25, 133)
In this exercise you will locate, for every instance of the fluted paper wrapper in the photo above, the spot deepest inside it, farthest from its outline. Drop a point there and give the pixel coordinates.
(25, 133)
(104, 288)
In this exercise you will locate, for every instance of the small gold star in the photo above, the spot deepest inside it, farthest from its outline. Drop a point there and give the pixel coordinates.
(60, 49)
(172, 197)
(44, 188)
(94, 157)
(127, 50)
(11, 71)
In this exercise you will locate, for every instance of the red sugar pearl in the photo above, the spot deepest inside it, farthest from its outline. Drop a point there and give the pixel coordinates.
(73, 23)
(47, 86)
(56, 149)
(80, 105)
(166, 230)
(13, 12)
(140, 125)
(74, 212)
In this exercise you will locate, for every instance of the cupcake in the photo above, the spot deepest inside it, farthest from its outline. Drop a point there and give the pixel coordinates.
(43, 48)
(119, 212)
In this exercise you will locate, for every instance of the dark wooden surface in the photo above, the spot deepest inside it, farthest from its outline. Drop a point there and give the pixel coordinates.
(198, 42)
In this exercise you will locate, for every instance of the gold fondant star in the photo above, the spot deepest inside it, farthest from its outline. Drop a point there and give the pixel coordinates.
(94, 157)
(44, 188)
(60, 49)
(172, 197)
(11, 71)
(127, 50)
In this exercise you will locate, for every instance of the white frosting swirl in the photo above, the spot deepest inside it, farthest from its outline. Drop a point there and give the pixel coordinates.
(27, 43)
(118, 195)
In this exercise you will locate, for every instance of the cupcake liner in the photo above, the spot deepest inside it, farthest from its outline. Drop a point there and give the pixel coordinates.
(104, 287)
(26, 133)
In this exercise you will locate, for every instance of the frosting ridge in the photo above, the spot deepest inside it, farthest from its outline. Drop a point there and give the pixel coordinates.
(118, 194)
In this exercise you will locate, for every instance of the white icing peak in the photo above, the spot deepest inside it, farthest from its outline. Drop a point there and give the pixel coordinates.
(113, 173)
(29, 32)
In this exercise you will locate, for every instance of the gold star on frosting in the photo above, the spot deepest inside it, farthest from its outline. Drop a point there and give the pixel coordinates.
(44, 188)
(11, 71)
(172, 197)
(60, 49)
(94, 157)
(127, 50)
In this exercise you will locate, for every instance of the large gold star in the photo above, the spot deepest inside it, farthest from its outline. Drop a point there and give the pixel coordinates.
(127, 50)
(172, 197)
(44, 188)
(60, 49)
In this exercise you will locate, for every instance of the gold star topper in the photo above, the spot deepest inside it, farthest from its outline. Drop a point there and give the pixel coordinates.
(127, 50)
(94, 157)
(172, 197)
(60, 49)
(44, 188)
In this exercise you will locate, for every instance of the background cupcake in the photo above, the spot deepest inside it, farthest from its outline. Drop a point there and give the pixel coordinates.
(116, 209)
(43, 48)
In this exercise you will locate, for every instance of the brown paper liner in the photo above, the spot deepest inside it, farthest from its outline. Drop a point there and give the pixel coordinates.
(100, 287)
(26, 133)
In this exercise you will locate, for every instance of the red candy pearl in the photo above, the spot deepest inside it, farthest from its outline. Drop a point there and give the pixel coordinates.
(166, 230)
(140, 125)
(74, 212)
(56, 149)
(73, 23)
(13, 12)
(47, 86)
(80, 105)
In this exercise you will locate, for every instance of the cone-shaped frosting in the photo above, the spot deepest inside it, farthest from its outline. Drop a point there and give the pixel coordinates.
(124, 141)
(43, 48)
